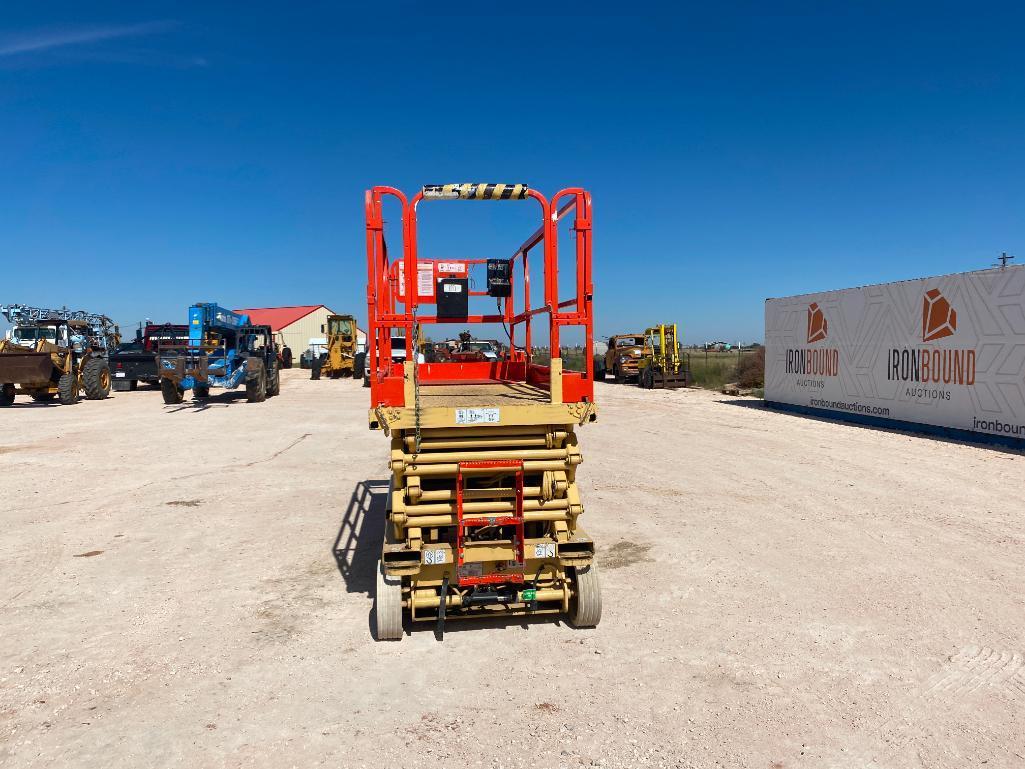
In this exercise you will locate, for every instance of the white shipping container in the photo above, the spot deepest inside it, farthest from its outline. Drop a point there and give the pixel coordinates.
(946, 352)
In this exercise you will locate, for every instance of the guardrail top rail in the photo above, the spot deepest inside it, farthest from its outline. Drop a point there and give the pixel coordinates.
(397, 299)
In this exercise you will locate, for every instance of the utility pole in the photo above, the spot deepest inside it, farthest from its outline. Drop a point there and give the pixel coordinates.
(1003, 259)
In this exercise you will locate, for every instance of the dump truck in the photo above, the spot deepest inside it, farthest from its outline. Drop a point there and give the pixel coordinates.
(623, 356)
(55, 354)
(343, 356)
(223, 350)
(661, 365)
(483, 514)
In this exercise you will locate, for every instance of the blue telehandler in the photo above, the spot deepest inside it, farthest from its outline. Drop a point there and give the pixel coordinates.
(224, 350)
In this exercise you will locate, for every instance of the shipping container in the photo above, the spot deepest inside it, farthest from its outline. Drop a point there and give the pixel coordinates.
(942, 354)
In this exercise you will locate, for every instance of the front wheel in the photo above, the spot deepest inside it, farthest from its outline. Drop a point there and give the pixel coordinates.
(387, 606)
(315, 369)
(173, 394)
(7, 395)
(43, 397)
(201, 392)
(67, 388)
(359, 365)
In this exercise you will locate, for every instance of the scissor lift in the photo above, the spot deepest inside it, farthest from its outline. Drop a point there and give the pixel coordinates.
(484, 506)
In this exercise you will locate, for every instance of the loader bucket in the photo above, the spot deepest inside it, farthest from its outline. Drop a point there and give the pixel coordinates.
(26, 368)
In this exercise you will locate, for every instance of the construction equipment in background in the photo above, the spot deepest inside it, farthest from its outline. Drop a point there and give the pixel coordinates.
(483, 514)
(661, 365)
(343, 355)
(622, 357)
(223, 350)
(60, 354)
(136, 361)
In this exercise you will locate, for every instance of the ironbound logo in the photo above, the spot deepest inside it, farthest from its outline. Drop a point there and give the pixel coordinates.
(814, 361)
(939, 319)
(928, 364)
(818, 326)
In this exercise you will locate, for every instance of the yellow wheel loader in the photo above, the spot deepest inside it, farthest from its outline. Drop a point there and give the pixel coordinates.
(55, 354)
(343, 357)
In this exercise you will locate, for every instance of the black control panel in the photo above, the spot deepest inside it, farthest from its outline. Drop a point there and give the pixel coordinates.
(499, 277)
(453, 298)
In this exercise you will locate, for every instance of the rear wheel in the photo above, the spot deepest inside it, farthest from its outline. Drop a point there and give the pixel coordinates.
(96, 379)
(315, 369)
(7, 395)
(173, 394)
(43, 397)
(387, 606)
(256, 381)
(359, 364)
(201, 391)
(585, 607)
(273, 381)
(67, 388)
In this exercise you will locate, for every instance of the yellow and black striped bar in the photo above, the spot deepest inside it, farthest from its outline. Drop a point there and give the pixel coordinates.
(476, 191)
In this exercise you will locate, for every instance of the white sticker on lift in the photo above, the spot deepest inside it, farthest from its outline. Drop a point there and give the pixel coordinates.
(453, 288)
(477, 416)
(451, 266)
(544, 550)
(432, 557)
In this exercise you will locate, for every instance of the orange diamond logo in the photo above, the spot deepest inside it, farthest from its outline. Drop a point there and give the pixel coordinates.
(817, 325)
(939, 319)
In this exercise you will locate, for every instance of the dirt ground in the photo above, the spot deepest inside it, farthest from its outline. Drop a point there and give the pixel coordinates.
(185, 586)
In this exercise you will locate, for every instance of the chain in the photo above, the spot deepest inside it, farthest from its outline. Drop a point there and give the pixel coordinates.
(416, 382)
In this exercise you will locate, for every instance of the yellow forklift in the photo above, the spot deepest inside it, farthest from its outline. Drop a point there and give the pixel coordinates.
(661, 364)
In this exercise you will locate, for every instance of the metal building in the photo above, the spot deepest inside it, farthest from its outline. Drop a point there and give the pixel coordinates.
(297, 325)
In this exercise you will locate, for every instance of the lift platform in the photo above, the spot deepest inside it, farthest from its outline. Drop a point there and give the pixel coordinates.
(484, 509)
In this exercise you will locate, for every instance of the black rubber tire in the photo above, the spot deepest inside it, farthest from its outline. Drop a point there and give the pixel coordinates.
(273, 381)
(585, 606)
(599, 372)
(134, 385)
(44, 397)
(256, 381)
(7, 394)
(96, 379)
(173, 394)
(200, 392)
(359, 365)
(617, 374)
(67, 389)
(366, 380)
(315, 370)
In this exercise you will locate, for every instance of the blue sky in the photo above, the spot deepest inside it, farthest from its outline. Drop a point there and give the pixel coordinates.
(157, 154)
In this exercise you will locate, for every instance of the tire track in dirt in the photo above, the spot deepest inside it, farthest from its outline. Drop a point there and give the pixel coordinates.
(973, 670)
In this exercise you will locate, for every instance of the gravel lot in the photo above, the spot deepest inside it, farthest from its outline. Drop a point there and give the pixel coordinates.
(184, 586)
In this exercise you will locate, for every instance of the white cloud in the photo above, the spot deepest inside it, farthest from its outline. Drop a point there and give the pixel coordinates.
(47, 40)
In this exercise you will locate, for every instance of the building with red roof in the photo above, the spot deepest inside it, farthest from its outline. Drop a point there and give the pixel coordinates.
(297, 325)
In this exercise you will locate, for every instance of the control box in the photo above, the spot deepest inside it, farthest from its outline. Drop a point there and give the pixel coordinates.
(499, 277)
(453, 298)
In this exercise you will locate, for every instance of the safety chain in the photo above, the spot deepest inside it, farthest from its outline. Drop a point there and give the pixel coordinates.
(416, 382)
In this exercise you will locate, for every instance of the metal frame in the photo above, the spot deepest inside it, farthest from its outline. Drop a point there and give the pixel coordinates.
(384, 312)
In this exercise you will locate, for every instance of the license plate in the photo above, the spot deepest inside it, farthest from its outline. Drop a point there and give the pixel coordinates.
(119, 373)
